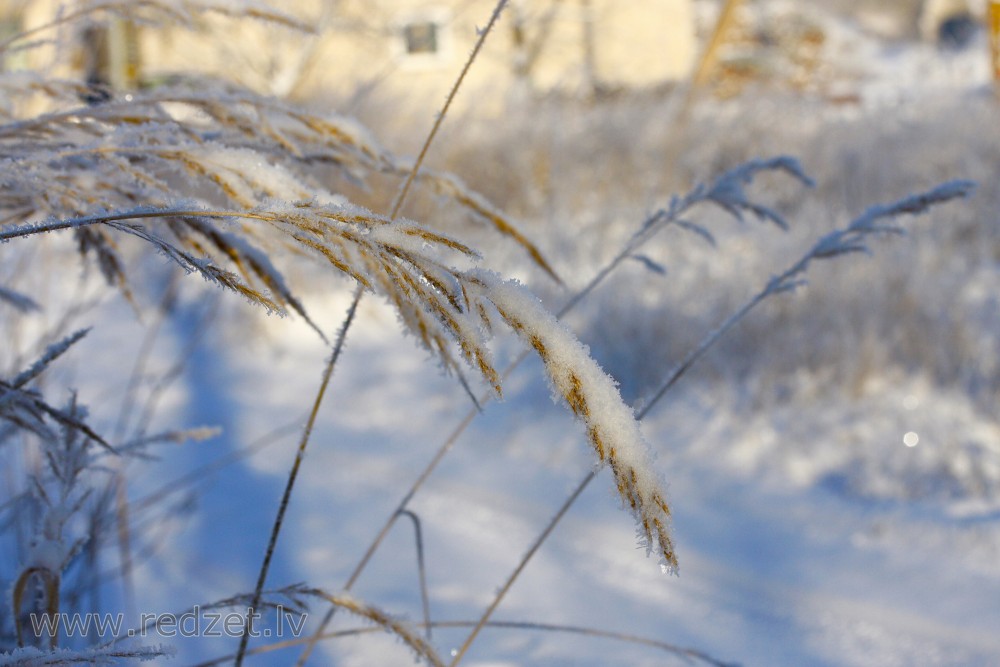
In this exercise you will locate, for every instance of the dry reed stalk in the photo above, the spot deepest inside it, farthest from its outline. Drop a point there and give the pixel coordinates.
(292, 475)
(392, 625)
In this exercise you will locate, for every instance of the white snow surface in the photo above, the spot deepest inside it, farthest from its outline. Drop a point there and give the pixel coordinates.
(802, 532)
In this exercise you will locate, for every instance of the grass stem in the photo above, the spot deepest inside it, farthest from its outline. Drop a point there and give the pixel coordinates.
(293, 474)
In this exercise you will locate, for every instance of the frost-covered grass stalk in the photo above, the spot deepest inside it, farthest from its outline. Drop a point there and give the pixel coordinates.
(140, 152)
(224, 183)
(62, 495)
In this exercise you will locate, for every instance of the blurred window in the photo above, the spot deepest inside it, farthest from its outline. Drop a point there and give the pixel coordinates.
(421, 37)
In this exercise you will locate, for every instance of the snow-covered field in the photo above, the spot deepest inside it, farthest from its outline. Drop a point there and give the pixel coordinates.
(833, 465)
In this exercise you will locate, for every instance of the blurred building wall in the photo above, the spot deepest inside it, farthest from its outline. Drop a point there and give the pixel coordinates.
(414, 49)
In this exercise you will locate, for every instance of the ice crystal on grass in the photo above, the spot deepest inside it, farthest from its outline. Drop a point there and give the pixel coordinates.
(62, 491)
(728, 193)
(593, 397)
(52, 353)
(873, 223)
(25, 408)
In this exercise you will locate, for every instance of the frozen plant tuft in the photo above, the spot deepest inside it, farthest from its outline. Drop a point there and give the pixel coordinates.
(593, 396)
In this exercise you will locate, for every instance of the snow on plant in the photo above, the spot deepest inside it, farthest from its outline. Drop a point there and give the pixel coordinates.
(60, 491)
(855, 238)
(593, 397)
(27, 410)
(109, 172)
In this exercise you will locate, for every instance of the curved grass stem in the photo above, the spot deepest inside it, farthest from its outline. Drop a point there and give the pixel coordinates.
(498, 598)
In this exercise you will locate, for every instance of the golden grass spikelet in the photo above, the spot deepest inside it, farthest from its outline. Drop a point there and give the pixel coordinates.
(230, 281)
(449, 186)
(593, 397)
(108, 259)
(433, 301)
(63, 178)
(49, 580)
(253, 149)
(392, 625)
(398, 259)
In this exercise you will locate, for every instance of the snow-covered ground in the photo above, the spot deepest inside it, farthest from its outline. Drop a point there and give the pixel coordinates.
(798, 537)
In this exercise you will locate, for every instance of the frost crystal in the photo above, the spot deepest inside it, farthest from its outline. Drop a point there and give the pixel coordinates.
(593, 397)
